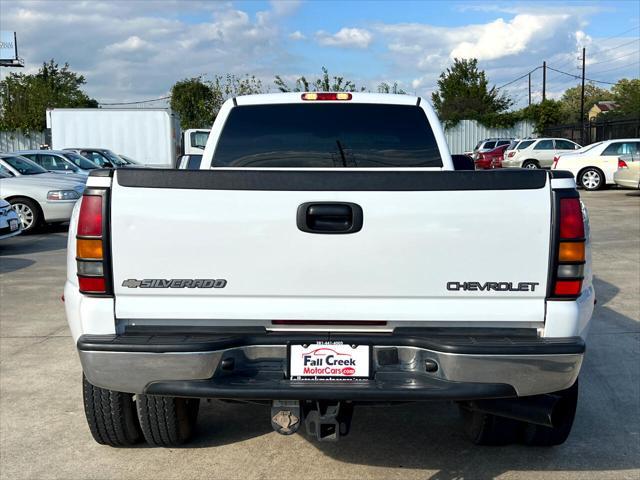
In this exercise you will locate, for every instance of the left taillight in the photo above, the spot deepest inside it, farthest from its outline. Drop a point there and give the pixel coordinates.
(622, 163)
(92, 244)
(555, 162)
(570, 250)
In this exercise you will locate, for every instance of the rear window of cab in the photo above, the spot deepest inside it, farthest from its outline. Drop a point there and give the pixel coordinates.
(329, 135)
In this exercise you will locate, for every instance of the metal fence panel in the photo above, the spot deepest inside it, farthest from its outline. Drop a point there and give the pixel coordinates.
(466, 134)
(12, 141)
(602, 128)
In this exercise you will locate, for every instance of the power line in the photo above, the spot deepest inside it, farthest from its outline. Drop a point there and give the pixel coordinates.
(620, 34)
(619, 46)
(138, 102)
(615, 58)
(579, 76)
(618, 68)
(519, 78)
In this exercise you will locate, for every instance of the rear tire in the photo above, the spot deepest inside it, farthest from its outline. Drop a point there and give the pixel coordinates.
(591, 178)
(167, 421)
(487, 429)
(111, 416)
(563, 416)
(531, 165)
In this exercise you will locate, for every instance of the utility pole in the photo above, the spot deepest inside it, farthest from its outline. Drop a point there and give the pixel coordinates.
(582, 98)
(544, 81)
(529, 88)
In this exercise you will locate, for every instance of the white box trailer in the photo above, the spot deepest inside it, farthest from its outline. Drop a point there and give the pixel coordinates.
(149, 136)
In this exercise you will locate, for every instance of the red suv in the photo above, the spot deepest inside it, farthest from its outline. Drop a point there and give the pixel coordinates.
(490, 159)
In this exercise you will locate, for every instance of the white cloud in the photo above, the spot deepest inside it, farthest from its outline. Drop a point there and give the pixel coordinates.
(130, 51)
(500, 39)
(297, 35)
(131, 44)
(284, 7)
(345, 37)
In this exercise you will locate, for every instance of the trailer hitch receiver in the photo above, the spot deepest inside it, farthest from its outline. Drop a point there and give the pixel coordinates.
(328, 421)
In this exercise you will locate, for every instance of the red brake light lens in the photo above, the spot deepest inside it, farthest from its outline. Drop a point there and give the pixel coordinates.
(90, 222)
(568, 287)
(571, 223)
(622, 163)
(92, 284)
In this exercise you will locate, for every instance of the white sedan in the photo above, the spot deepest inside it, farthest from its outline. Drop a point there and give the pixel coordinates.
(39, 197)
(9, 221)
(594, 165)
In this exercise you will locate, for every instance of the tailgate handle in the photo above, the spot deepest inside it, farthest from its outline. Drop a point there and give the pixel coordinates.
(329, 217)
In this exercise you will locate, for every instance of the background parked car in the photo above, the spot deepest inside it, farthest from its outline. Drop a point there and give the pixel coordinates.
(491, 158)
(18, 166)
(594, 167)
(189, 162)
(489, 144)
(10, 225)
(103, 157)
(538, 153)
(130, 160)
(40, 198)
(58, 161)
(628, 173)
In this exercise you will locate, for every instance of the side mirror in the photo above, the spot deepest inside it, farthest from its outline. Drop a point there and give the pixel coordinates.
(107, 164)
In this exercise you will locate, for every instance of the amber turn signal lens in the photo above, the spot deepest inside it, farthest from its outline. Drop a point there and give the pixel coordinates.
(89, 248)
(571, 252)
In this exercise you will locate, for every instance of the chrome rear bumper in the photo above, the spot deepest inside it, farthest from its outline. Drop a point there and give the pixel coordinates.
(259, 364)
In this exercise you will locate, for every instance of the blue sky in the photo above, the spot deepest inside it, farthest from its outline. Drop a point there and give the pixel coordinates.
(137, 49)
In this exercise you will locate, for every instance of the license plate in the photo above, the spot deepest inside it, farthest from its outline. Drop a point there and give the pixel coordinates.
(329, 361)
(13, 225)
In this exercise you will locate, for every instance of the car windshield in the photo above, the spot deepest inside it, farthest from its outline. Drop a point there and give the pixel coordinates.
(113, 158)
(24, 166)
(327, 135)
(5, 172)
(129, 160)
(79, 161)
(589, 147)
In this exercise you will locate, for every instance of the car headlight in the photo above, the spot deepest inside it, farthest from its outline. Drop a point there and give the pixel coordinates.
(62, 195)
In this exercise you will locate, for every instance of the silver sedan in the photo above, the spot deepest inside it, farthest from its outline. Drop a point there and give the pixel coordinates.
(40, 197)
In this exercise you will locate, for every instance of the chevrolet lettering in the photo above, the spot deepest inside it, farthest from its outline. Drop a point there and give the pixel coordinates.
(492, 286)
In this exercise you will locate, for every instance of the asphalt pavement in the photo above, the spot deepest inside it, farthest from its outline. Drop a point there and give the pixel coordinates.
(43, 432)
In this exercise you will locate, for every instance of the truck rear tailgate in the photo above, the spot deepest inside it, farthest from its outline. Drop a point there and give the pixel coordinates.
(434, 246)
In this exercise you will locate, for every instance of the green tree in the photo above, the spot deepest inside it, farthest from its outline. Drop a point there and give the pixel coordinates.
(197, 102)
(323, 84)
(626, 93)
(25, 98)
(544, 114)
(464, 93)
(384, 87)
(570, 101)
(194, 101)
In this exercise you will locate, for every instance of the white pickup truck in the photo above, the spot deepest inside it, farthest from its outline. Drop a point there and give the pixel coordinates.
(323, 257)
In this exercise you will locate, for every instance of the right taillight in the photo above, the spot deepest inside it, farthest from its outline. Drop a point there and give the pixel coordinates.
(511, 154)
(91, 245)
(570, 255)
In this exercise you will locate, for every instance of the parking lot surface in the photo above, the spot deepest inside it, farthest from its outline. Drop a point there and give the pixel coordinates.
(43, 433)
